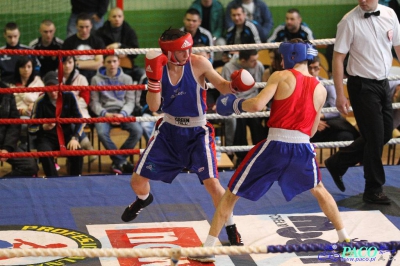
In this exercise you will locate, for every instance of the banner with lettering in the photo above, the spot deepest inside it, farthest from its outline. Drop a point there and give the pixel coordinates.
(256, 230)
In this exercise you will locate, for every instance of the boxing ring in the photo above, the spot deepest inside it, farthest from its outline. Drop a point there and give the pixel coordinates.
(76, 220)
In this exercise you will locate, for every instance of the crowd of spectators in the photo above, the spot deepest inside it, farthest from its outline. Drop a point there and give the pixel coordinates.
(209, 23)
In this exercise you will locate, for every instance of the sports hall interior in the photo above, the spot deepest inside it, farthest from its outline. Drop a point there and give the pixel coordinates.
(93, 204)
(148, 18)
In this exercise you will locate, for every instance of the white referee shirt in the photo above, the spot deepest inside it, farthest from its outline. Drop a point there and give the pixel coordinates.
(369, 41)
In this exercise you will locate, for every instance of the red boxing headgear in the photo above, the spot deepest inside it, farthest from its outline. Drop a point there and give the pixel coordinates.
(169, 47)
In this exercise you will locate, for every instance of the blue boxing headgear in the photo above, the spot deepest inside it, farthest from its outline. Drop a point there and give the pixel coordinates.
(294, 53)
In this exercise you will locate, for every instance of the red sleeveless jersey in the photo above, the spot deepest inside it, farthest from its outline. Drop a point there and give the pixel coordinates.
(296, 112)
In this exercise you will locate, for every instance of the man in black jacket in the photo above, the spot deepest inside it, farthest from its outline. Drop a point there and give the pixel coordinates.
(12, 35)
(9, 136)
(117, 33)
(47, 137)
(95, 8)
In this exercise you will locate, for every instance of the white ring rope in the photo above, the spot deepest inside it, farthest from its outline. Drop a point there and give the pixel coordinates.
(258, 46)
(131, 252)
(331, 144)
(247, 115)
(222, 48)
(318, 145)
(261, 85)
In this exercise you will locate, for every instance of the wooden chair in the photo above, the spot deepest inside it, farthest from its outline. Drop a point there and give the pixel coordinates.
(323, 73)
(323, 61)
(350, 116)
(395, 62)
(219, 126)
(392, 148)
(321, 153)
(117, 131)
(219, 69)
(89, 130)
(125, 62)
(263, 57)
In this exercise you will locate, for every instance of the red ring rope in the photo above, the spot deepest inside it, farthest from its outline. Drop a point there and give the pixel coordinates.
(63, 87)
(60, 120)
(59, 53)
(63, 151)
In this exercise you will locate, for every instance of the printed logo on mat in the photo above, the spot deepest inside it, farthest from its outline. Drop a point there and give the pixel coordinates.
(256, 230)
(39, 236)
(173, 237)
(158, 235)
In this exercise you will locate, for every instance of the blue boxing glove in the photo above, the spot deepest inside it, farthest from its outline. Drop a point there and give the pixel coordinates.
(229, 104)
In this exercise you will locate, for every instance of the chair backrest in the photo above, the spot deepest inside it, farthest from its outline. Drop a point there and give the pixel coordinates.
(323, 73)
(396, 133)
(31, 142)
(346, 92)
(125, 62)
(219, 69)
(395, 62)
(263, 57)
(324, 61)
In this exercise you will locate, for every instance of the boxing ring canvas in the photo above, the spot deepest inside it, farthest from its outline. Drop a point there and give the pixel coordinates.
(70, 212)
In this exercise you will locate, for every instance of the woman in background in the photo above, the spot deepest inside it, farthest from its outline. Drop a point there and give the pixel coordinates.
(72, 77)
(25, 77)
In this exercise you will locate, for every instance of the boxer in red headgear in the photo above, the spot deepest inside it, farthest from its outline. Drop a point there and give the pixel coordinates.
(183, 138)
(169, 47)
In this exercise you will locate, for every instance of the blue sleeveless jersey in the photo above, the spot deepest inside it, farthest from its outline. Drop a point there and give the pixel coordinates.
(175, 146)
(186, 98)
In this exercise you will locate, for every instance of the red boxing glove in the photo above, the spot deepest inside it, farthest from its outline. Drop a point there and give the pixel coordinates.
(155, 60)
(242, 80)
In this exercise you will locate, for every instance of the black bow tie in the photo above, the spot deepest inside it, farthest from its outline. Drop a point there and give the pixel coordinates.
(367, 15)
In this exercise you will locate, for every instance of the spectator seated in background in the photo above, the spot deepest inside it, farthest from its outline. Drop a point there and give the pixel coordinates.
(332, 126)
(72, 77)
(7, 62)
(115, 104)
(200, 35)
(248, 60)
(84, 40)
(243, 31)
(293, 28)
(46, 134)
(212, 18)
(117, 33)
(47, 41)
(96, 9)
(257, 12)
(9, 137)
(25, 77)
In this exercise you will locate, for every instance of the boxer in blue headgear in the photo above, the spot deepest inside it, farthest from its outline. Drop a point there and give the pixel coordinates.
(296, 51)
(286, 156)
